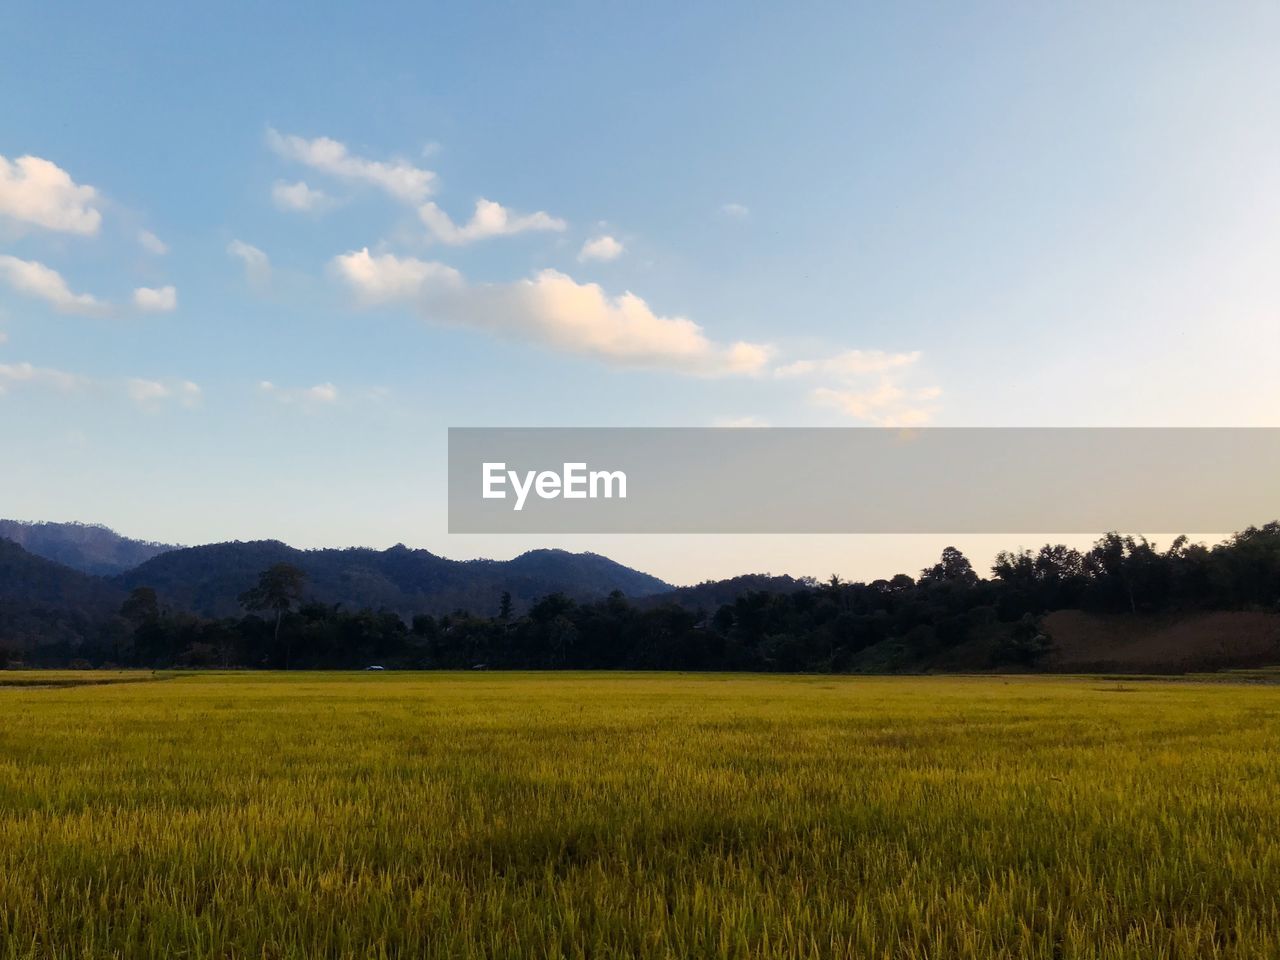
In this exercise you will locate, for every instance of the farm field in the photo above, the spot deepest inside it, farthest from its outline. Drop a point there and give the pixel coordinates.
(618, 816)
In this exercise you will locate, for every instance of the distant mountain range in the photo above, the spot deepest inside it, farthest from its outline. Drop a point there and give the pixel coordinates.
(209, 579)
(85, 567)
(87, 547)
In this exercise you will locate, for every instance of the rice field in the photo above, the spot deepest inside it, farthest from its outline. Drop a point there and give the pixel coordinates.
(638, 816)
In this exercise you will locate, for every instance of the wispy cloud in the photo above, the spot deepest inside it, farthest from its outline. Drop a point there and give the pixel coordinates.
(257, 265)
(24, 374)
(554, 310)
(152, 244)
(400, 178)
(39, 193)
(155, 299)
(33, 279)
(887, 404)
(145, 393)
(885, 400)
(321, 394)
(735, 211)
(850, 363)
(152, 393)
(600, 248)
(490, 219)
(299, 197)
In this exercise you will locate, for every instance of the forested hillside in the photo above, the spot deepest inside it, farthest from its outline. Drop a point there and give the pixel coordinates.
(265, 604)
(209, 580)
(87, 547)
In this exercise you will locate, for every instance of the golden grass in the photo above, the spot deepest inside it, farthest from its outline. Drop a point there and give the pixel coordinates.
(654, 816)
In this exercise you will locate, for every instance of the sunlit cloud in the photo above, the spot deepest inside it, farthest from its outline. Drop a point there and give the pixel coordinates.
(37, 192)
(555, 311)
(490, 219)
(399, 178)
(600, 248)
(887, 404)
(386, 278)
(33, 279)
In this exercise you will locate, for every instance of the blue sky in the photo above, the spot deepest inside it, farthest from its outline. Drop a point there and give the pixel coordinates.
(803, 214)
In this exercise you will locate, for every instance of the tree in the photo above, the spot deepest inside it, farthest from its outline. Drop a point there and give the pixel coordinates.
(140, 607)
(504, 606)
(279, 588)
(1025, 644)
(953, 567)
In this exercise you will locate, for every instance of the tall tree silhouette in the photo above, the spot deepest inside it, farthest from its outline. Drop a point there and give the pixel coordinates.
(279, 588)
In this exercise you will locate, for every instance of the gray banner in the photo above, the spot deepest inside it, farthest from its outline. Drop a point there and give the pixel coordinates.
(861, 480)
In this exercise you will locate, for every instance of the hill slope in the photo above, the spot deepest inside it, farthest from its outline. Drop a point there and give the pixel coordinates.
(89, 548)
(209, 579)
(42, 602)
(1212, 640)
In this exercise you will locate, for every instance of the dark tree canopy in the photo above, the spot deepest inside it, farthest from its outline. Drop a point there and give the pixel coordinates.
(52, 616)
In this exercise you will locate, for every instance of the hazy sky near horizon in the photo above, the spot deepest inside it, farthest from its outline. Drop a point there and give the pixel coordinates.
(256, 259)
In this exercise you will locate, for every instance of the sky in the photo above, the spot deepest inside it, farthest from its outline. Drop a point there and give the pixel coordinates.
(256, 259)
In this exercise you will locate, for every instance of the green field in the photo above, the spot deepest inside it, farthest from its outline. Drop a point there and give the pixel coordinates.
(508, 815)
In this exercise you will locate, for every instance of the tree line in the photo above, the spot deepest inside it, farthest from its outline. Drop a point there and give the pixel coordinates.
(834, 625)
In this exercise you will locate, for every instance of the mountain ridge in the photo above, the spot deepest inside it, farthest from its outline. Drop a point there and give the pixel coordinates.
(209, 579)
(92, 548)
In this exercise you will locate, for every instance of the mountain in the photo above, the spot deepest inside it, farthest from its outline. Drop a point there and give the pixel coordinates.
(89, 548)
(209, 579)
(42, 602)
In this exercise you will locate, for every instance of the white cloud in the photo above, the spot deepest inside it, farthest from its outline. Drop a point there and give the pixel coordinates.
(150, 393)
(489, 220)
(152, 244)
(556, 311)
(399, 178)
(850, 363)
(147, 394)
(155, 299)
(387, 278)
(4, 338)
(886, 405)
(735, 211)
(298, 197)
(34, 279)
(24, 374)
(257, 266)
(321, 393)
(143, 391)
(39, 192)
(600, 248)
